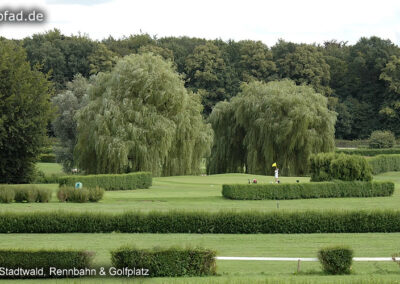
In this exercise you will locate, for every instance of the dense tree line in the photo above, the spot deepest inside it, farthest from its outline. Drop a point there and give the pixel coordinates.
(361, 81)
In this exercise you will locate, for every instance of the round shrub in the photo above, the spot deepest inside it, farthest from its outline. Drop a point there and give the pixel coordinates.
(336, 260)
(28, 194)
(382, 139)
(350, 168)
(6, 194)
(95, 194)
(44, 195)
(332, 166)
(71, 194)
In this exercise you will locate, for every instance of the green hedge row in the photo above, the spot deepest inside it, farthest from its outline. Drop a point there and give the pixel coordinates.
(47, 158)
(307, 190)
(111, 181)
(275, 222)
(384, 163)
(170, 262)
(38, 259)
(24, 193)
(369, 152)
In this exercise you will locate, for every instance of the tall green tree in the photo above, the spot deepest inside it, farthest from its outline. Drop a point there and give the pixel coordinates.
(60, 55)
(271, 122)
(141, 118)
(206, 70)
(304, 64)
(67, 103)
(255, 62)
(102, 59)
(24, 114)
(390, 109)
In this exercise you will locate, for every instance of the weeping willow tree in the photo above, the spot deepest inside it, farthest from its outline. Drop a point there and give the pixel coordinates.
(270, 122)
(141, 118)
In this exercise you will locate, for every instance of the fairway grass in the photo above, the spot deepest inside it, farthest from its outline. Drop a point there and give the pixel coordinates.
(283, 245)
(50, 168)
(203, 193)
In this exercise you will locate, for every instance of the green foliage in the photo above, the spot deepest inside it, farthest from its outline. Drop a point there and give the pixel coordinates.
(206, 71)
(332, 166)
(369, 152)
(61, 56)
(381, 139)
(68, 102)
(111, 182)
(70, 194)
(304, 64)
(171, 262)
(350, 168)
(102, 59)
(82, 195)
(7, 194)
(336, 260)
(201, 222)
(42, 178)
(24, 193)
(307, 190)
(266, 123)
(32, 259)
(142, 120)
(47, 158)
(384, 163)
(25, 112)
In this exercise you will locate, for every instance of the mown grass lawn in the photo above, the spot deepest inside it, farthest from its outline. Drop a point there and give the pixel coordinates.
(204, 193)
(297, 245)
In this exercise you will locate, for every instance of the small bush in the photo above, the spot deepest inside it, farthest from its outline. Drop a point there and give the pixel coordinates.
(170, 262)
(95, 194)
(336, 260)
(44, 195)
(381, 139)
(31, 259)
(331, 166)
(384, 163)
(111, 181)
(396, 258)
(7, 194)
(71, 194)
(307, 190)
(28, 194)
(350, 168)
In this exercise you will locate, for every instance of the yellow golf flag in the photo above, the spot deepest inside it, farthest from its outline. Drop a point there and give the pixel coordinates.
(274, 165)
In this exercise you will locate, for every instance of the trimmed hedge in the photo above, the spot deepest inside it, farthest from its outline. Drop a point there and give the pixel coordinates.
(307, 190)
(384, 163)
(336, 260)
(369, 152)
(32, 259)
(47, 158)
(332, 166)
(24, 193)
(70, 194)
(276, 222)
(170, 262)
(111, 181)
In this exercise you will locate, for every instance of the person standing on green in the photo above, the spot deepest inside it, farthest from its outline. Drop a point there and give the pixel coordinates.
(274, 165)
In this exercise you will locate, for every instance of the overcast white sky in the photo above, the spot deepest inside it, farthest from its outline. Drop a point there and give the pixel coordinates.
(299, 21)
